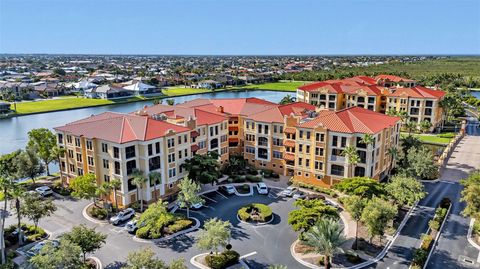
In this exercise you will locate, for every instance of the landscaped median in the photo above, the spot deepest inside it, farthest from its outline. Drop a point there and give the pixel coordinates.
(257, 214)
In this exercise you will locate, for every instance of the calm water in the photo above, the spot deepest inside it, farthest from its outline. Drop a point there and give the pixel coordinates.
(476, 94)
(13, 131)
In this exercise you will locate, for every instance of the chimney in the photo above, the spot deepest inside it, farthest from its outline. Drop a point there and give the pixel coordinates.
(220, 109)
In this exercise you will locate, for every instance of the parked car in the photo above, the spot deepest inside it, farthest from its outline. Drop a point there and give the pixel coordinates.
(262, 188)
(39, 246)
(299, 195)
(44, 191)
(331, 203)
(193, 206)
(289, 191)
(314, 196)
(132, 226)
(227, 189)
(124, 215)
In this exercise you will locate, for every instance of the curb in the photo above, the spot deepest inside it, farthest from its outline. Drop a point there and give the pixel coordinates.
(197, 264)
(86, 216)
(256, 225)
(195, 227)
(469, 235)
(366, 263)
(97, 261)
(437, 236)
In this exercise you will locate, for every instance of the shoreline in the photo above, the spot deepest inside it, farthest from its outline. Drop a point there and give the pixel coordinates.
(162, 97)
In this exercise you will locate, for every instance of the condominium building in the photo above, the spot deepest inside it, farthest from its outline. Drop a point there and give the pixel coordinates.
(381, 94)
(297, 139)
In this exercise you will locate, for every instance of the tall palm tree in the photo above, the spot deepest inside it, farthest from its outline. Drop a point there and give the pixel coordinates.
(425, 125)
(367, 139)
(287, 99)
(351, 153)
(5, 187)
(393, 152)
(325, 238)
(156, 177)
(139, 179)
(115, 184)
(410, 126)
(16, 193)
(57, 153)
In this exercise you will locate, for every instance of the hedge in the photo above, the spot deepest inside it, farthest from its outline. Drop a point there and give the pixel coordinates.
(252, 178)
(179, 225)
(330, 192)
(264, 211)
(222, 260)
(99, 213)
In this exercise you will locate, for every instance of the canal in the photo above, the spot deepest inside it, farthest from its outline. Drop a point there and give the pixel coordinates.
(13, 131)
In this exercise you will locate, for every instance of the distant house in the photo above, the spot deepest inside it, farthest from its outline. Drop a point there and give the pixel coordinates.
(209, 84)
(140, 88)
(4, 107)
(48, 89)
(83, 85)
(108, 92)
(18, 89)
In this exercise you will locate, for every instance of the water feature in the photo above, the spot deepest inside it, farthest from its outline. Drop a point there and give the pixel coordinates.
(13, 131)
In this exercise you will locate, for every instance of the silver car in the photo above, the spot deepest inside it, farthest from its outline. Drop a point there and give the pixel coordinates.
(289, 191)
(44, 191)
(122, 216)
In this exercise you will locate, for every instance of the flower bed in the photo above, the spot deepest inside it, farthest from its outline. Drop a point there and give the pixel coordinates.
(31, 234)
(97, 212)
(243, 189)
(169, 224)
(257, 213)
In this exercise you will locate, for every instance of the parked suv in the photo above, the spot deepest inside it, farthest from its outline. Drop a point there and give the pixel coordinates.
(227, 189)
(44, 191)
(262, 188)
(122, 216)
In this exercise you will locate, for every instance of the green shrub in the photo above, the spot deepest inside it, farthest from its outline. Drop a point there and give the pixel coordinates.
(426, 241)
(252, 178)
(99, 213)
(353, 257)
(142, 232)
(222, 260)
(179, 225)
(243, 214)
(326, 191)
(434, 224)
(440, 213)
(264, 212)
(420, 256)
(253, 172)
(267, 173)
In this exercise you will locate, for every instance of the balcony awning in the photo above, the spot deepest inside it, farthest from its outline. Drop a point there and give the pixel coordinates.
(289, 143)
(233, 128)
(288, 156)
(194, 148)
(290, 130)
(232, 139)
(194, 134)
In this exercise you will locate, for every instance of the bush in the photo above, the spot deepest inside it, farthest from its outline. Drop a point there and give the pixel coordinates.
(353, 257)
(419, 256)
(252, 178)
(267, 173)
(434, 224)
(275, 175)
(264, 212)
(253, 172)
(179, 225)
(426, 241)
(142, 232)
(326, 191)
(99, 213)
(243, 214)
(222, 260)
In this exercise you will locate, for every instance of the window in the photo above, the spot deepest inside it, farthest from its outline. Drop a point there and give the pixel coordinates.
(89, 145)
(185, 138)
(105, 164)
(79, 157)
(299, 161)
(275, 129)
(319, 151)
(335, 141)
(179, 154)
(318, 165)
(308, 135)
(157, 147)
(172, 172)
(106, 178)
(277, 154)
(170, 142)
(70, 154)
(337, 170)
(201, 144)
(131, 165)
(130, 152)
(259, 128)
(80, 172)
(307, 149)
(262, 153)
(319, 137)
(307, 162)
(90, 161)
(186, 152)
(72, 168)
(171, 157)
(179, 140)
(117, 168)
(116, 153)
(104, 148)
(150, 149)
(154, 163)
(300, 147)
(130, 185)
(69, 139)
(214, 143)
(77, 142)
(344, 142)
(223, 151)
(300, 134)
(250, 150)
(60, 138)
(281, 130)
(277, 142)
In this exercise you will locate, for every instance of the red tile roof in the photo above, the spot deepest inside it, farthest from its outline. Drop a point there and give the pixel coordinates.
(351, 120)
(417, 92)
(120, 128)
(276, 114)
(393, 78)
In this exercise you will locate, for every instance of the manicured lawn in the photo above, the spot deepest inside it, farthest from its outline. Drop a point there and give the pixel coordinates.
(183, 91)
(277, 86)
(443, 138)
(48, 105)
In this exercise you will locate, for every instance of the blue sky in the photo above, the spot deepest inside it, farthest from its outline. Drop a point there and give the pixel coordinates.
(240, 26)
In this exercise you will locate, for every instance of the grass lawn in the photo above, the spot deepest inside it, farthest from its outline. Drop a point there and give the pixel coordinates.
(48, 105)
(277, 86)
(183, 91)
(443, 138)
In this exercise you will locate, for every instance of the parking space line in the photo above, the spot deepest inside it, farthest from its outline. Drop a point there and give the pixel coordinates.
(221, 195)
(208, 198)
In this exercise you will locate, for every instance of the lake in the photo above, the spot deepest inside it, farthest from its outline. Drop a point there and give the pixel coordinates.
(13, 131)
(476, 94)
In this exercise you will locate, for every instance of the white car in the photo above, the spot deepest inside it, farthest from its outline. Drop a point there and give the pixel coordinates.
(122, 216)
(262, 188)
(299, 195)
(227, 189)
(44, 191)
(193, 206)
(288, 192)
(38, 247)
(132, 226)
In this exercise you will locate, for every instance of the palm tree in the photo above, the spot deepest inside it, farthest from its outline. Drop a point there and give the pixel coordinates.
(393, 152)
(5, 187)
(16, 194)
(57, 153)
(351, 153)
(156, 177)
(410, 126)
(425, 125)
(325, 238)
(287, 99)
(139, 179)
(170, 102)
(115, 184)
(367, 139)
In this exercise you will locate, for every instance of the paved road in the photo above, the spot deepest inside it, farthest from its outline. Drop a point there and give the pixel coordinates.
(453, 249)
(465, 158)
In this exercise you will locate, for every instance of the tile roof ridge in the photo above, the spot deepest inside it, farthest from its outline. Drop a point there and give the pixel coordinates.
(360, 121)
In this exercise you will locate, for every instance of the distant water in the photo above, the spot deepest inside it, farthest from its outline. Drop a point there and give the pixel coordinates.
(476, 94)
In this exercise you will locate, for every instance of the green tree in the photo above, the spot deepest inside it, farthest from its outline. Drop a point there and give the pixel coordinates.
(35, 208)
(17, 193)
(308, 212)
(139, 179)
(425, 126)
(66, 256)
(393, 153)
(361, 186)
(145, 259)
(367, 139)
(376, 215)
(287, 99)
(188, 194)
(420, 163)
(84, 187)
(170, 102)
(57, 153)
(410, 126)
(59, 72)
(215, 234)
(29, 164)
(405, 190)
(351, 153)
(154, 219)
(42, 141)
(354, 205)
(155, 178)
(115, 184)
(86, 238)
(325, 238)
(471, 195)
(203, 168)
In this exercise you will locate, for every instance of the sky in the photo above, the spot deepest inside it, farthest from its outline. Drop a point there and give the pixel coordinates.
(240, 27)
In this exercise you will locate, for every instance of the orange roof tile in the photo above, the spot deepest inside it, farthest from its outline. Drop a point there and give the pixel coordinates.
(289, 156)
(289, 143)
(417, 92)
(290, 130)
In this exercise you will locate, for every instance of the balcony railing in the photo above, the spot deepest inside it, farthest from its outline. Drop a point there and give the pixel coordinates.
(337, 158)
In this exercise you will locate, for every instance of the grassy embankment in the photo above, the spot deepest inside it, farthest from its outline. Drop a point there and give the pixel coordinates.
(443, 138)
